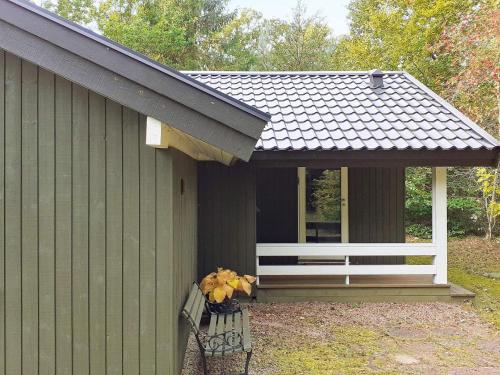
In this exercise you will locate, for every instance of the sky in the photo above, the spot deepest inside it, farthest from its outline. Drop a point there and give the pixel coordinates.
(333, 11)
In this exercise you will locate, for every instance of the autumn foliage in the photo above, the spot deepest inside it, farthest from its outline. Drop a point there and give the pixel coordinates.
(223, 283)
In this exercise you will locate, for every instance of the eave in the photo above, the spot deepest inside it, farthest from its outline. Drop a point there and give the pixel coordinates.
(376, 158)
(129, 78)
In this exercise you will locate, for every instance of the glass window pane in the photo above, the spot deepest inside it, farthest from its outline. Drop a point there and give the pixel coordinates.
(323, 205)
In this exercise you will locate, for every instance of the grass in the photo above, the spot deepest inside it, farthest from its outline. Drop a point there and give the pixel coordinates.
(358, 349)
(471, 261)
(350, 351)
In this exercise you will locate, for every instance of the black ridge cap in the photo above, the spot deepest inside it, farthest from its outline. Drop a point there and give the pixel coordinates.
(140, 58)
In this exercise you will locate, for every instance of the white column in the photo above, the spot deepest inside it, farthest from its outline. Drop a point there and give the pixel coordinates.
(257, 264)
(301, 199)
(344, 212)
(344, 205)
(440, 224)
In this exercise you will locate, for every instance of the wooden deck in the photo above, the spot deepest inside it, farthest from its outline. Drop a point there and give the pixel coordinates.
(418, 288)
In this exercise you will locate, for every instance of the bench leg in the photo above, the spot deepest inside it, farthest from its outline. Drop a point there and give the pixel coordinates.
(202, 354)
(249, 355)
(205, 370)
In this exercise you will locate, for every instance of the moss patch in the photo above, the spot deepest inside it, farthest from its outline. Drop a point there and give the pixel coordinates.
(351, 350)
(469, 260)
(487, 300)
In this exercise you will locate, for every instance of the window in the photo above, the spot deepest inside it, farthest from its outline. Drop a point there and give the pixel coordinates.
(322, 205)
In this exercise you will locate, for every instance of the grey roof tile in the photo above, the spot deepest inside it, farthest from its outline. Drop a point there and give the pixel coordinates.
(339, 110)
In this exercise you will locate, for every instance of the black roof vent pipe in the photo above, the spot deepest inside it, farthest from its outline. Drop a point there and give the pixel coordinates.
(376, 79)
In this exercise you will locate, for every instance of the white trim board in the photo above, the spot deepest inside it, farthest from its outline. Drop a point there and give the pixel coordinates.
(344, 204)
(327, 270)
(336, 249)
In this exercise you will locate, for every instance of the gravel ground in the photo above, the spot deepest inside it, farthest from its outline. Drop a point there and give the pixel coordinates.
(380, 338)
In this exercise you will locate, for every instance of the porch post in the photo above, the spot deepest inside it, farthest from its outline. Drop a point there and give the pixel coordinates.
(344, 213)
(439, 224)
(301, 202)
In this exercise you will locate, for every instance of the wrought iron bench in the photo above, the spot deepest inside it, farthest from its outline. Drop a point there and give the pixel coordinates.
(227, 333)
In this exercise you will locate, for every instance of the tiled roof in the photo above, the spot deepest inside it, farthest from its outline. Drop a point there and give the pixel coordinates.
(340, 111)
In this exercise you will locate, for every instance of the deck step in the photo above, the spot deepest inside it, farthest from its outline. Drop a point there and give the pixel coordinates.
(457, 291)
(344, 286)
(355, 294)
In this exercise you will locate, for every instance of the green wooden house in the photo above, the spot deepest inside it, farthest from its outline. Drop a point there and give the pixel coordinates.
(122, 181)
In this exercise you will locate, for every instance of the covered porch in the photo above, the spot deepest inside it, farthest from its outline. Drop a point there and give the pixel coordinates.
(324, 264)
(361, 259)
(333, 258)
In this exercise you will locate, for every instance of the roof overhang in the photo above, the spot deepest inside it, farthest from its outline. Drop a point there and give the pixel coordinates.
(376, 158)
(129, 78)
(340, 117)
(160, 135)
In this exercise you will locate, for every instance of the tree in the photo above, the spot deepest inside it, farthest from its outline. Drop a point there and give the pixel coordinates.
(398, 35)
(490, 190)
(169, 31)
(326, 195)
(79, 11)
(473, 50)
(173, 32)
(204, 34)
(466, 215)
(236, 45)
(303, 43)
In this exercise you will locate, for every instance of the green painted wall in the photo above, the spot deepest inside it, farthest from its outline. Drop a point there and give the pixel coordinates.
(185, 238)
(97, 244)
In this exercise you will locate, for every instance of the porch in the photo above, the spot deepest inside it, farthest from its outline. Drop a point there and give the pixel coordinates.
(319, 262)
(338, 280)
(396, 289)
(356, 256)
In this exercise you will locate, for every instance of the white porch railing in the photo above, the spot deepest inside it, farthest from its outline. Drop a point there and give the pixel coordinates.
(345, 250)
(437, 249)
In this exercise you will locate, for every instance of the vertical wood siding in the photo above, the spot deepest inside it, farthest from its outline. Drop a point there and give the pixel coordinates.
(97, 243)
(277, 201)
(278, 205)
(2, 212)
(376, 209)
(185, 210)
(12, 218)
(226, 218)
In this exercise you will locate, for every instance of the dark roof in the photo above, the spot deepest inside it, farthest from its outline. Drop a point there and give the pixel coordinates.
(106, 67)
(341, 111)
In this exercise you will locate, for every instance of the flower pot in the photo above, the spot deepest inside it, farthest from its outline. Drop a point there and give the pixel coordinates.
(228, 306)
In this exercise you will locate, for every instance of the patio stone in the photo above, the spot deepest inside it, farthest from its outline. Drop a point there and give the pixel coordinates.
(405, 359)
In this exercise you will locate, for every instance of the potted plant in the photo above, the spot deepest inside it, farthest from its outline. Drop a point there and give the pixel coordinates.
(220, 287)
